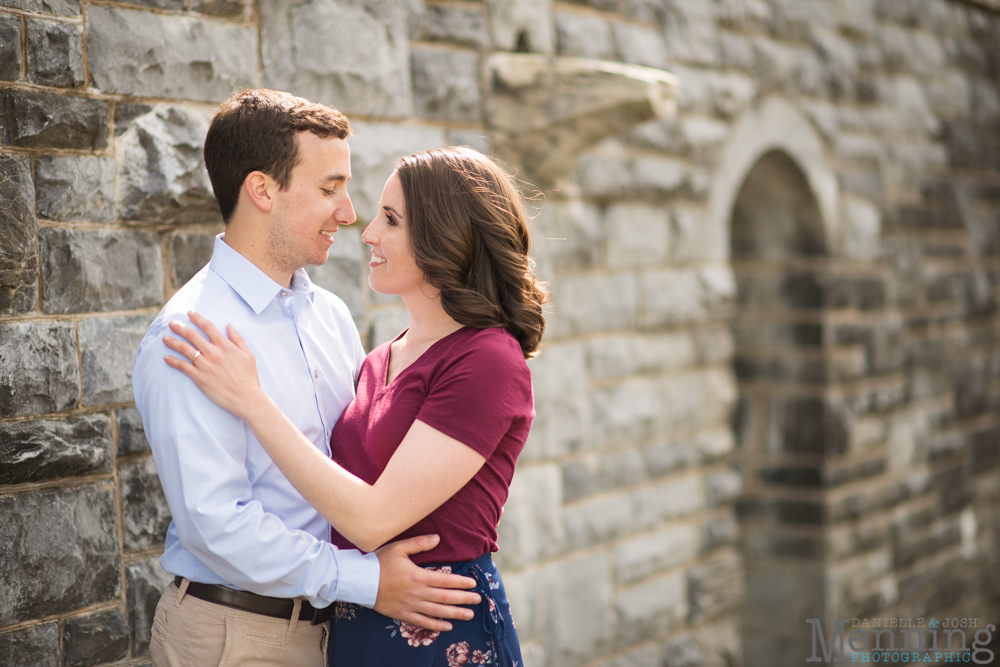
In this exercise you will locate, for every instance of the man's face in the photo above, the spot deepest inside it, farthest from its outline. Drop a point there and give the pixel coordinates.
(316, 203)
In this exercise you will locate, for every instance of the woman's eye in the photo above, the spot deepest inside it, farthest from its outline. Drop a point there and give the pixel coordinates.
(392, 220)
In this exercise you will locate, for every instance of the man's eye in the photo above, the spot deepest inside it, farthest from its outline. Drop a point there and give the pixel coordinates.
(328, 192)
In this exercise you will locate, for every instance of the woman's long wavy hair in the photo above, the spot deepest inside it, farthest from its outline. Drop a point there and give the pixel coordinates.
(469, 235)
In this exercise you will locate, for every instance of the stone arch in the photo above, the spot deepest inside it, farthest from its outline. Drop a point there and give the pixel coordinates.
(775, 124)
(780, 240)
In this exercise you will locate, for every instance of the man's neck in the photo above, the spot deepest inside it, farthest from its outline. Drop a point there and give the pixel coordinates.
(254, 250)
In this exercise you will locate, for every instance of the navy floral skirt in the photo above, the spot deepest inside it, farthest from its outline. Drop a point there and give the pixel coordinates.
(361, 637)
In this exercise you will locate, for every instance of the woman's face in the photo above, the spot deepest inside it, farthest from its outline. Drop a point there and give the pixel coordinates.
(392, 269)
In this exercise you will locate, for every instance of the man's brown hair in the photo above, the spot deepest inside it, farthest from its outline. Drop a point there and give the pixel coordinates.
(255, 131)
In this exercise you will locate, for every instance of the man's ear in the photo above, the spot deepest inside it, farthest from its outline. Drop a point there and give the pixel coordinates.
(260, 189)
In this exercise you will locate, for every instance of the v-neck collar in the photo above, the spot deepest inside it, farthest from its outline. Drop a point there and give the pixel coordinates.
(385, 383)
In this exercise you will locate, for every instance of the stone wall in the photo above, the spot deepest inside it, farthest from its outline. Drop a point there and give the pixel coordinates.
(771, 382)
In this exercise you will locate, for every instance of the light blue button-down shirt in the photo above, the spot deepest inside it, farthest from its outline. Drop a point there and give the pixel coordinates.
(237, 521)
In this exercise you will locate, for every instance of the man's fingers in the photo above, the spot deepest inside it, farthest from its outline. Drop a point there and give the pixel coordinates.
(442, 580)
(444, 596)
(447, 609)
(426, 622)
(417, 544)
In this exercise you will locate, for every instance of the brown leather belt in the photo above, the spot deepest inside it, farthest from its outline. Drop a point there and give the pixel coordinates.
(255, 604)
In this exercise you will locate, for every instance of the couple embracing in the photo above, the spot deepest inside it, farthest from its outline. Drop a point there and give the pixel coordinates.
(269, 425)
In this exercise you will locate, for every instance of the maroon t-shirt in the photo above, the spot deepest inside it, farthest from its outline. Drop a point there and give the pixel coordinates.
(472, 385)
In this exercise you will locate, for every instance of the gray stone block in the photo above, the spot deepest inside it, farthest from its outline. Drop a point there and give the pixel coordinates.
(720, 532)
(39, 371)
(600, 519)
(99, 638)
(162, 176)
(358, 57)
(37, 646)
(568, 234)
(562, 422)
(60, 7)
(189, 253)
(521, 25)
(375, 149)
(126, 113)
(87, 271)
(461, 25)
(634, 353)
(145, 581)
(40, 450)
(650, 553)
(671, 498)
(55, 53)
(691, 31)
(143, 505)
(583, 36)
(107, 350)
(10, 48)
(594, 473)
(638, 45)
(672, 297)
(131, 433)
(75, 189)
(18, 237)
(532, 526)
(620, 177)
(590, 302)
(715, 587)
(59, 548)
(579, 620)
(174, 5)
(36, 119)
(342, 276)
(651, 607)
(445, 84)
(143, 53)
(636, 234)
(230, 9)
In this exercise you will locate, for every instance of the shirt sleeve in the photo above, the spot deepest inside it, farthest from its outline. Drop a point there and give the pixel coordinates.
(481, 393)
(200, 452)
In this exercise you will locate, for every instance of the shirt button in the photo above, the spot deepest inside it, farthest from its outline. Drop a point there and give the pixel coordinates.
(316, 374)
(284, 294)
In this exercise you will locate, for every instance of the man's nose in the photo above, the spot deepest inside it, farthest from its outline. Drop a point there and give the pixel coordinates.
(345, 212)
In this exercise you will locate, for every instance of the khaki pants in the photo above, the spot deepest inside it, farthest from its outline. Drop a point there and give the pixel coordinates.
(188, 632)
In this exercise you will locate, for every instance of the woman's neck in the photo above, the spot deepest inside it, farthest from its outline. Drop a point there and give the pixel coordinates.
(428, 322)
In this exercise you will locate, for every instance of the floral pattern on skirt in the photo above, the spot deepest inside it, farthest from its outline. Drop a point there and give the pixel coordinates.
(361, 637)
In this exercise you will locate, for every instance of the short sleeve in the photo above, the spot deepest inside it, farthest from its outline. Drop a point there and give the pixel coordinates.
(481, 393)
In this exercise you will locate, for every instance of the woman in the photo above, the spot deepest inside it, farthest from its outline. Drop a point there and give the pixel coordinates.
(430, 442)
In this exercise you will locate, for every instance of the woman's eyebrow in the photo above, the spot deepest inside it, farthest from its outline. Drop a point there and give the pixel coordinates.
(392, 210)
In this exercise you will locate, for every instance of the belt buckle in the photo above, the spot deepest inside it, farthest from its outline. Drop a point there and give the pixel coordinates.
(325, 614)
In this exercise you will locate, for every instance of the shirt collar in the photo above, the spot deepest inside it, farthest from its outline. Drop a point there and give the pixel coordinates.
(252, 284)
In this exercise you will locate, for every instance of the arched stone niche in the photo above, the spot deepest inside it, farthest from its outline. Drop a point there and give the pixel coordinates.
(775, 124)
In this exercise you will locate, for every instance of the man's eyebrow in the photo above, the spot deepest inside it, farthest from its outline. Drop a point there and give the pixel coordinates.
(389, 208)
(336, 177)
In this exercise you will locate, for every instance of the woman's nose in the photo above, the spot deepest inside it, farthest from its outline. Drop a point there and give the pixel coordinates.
(367, 236)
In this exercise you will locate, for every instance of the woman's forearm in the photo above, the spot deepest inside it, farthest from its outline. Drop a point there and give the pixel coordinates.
(427, 469)
(346, 501)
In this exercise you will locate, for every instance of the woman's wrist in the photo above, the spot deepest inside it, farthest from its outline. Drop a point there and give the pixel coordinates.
(255, 405)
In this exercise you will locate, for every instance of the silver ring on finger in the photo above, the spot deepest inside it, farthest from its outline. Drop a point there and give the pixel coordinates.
(195, 357)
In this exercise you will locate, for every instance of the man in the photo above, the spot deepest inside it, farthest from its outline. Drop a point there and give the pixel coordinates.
(252, 560)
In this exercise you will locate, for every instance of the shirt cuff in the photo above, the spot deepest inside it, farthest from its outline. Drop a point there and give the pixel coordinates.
(357, 577)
